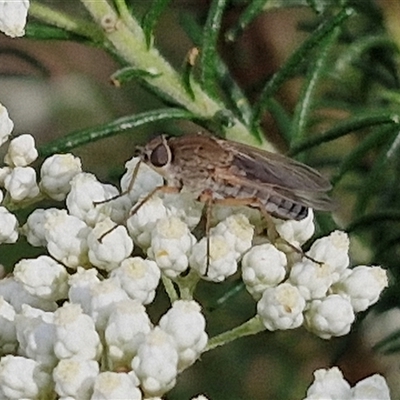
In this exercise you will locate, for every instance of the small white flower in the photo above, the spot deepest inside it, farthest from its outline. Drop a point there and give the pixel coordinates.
(363, 285)
(171, 242)
(221, 262)
(8, 338)
(142, 222)
(4, 172)
(237, 231)
(109, 244)
(6, 124)
(36, 335)
(13, 16)
(66, 238)
(329, 384)
(42, 277)
(74, 378)
(332, 250)
(1, 196)
(296, 232)
(372, 388)
(23, 378)
(21, 184)
(21, 151)
(85, 192)
(81, 284)
(75, 334)
(186, 325)
(330, 316)
(185, 207)
(281, 307)
(113, 385)
(8, 226)
(126, 329)
(34, 228)
(263, 266)
(56, 174)
(156, 363)
(312, 279)
(15, 293)
(146, 180)
(139, 278)
(101, 303)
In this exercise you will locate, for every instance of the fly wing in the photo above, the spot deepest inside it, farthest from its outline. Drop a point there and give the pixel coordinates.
(277, 170)
(272, 174)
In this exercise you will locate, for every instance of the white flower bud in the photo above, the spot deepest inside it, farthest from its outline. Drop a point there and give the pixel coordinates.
(332, 250)
(75, 334)
(13, 17)
(126, 329)
(281, 307)
(21, 183)
(8, 338)
(85, 192)
(66, 238)
(329, 384)
(21, 151)
(56, 174)
(237, 231)
(103, 298)
(113, 385)
(263, 266)
(15, 293)
(36, 335)
(43, 277)
(8, 226)
(312, 279)
(296, 232)
(372, 388)
(156, 363)
(186, 325)
(146, 180)
(221, 262)
(171, 242)
(139, 278)
(363, 285)
(330, 316)
(109, 244)
(74, 378)
(6, 124)
(23, 378)
(185, 207)
(34, 228)
(142, 222)
(81, 284)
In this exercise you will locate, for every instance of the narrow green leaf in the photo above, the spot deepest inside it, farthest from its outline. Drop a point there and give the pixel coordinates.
(314, 74)
(115, 127)
(209, 47)
(188, 71)
(370, 220)
(235, 97)
(346, 127)
(374, 139)
(151, 18)
(297, 58)
(253, 10)
(39, 31)
(127, 74)
(281, 117)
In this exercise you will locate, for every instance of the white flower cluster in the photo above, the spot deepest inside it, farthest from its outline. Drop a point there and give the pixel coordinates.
(317, 289)
(74, 318)
(330, 384)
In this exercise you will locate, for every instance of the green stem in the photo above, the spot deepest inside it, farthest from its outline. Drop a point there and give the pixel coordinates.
(250, 327)
(130, 44)
(169, 288)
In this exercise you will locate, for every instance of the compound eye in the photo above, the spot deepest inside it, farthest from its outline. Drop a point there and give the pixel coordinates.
(160, 156)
